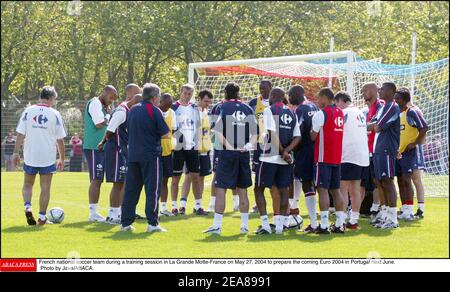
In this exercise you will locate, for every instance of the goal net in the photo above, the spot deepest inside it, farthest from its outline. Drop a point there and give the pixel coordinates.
(428, 82)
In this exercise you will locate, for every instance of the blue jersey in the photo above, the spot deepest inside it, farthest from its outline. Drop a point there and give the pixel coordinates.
(146, 126)
(236, 122)
(389, 138)
(120, 136)
(286, 125)
(304, 113)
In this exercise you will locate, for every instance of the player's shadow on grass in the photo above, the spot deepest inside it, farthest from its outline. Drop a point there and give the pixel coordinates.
(221, 238)
(23, 229)
(119, 236)
(89, 226)
(164, 219)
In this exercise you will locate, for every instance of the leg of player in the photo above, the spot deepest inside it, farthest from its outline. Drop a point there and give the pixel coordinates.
(391, 202)
(44, 199)
(115, 200)
(324, 205)
(133, 187)
(236, 202)
(212, 200)
(94, 196)
(420, 190)
(341, 206)
(355, 195)
(261, 205)
(284, 209)
(345, 191)
(174, 193)
(295, 191)
(197, 188)
(164, 195)
(218, 212)
(27, 192)
(244, 206)
(276, 205)
(185, 190)
(310, 202)
(408, 197)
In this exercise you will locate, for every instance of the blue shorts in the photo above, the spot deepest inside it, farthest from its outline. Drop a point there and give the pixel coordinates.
(31, 170)
(420, 163)
(384, 165)
(367, 177)
(233, 170)
(327, 176)
(167, 166)
(190, 157)
(269, 174)
(304, 163)
(115, 163)
(255, 158)
(96, 164)
(205, 164)
(215, 159)
(408, 162)
(350, 171)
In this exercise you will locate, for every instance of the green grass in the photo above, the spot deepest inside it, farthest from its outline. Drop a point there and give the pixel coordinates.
(420, 239)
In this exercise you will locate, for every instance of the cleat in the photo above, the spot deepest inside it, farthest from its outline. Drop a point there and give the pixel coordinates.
(157, 228)
(352, 226)
(335, 229)
(309, 229)
(199, 212)
(406, 217)
(244, 230)
(182, 211)
(389, 225)
(166, 213)
(113, 221)
(128, 228)
(213, 230)
(272, 227)
(175, 212)
(373, 216)
(43, 222)
(139, 217)
(96, 218)
(30, 218)
(419, 214)
(262, 230)
(321, 230)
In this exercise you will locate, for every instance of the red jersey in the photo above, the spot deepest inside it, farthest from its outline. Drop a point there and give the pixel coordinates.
(328, 145)
(376, 106)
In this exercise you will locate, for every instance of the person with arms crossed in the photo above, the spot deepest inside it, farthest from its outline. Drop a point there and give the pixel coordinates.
(274, 170)
(355, 155)
(386, 144)
(115, 146)
(96, 118)
(236, 129)
(146, 128)
(41, 132)
(413, 129)
(327, 132)
(8, 145)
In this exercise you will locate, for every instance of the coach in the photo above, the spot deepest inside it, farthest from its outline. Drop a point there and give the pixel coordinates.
(146, 127)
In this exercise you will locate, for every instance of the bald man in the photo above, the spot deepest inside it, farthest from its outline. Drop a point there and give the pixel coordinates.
(114, 144)
(96, 117)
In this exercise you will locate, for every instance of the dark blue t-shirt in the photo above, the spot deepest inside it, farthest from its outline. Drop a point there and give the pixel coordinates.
(305, 112)
(388, 139)
(146, 126)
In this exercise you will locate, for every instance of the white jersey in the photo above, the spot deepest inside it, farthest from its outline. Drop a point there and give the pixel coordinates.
(355, 148)
(41, 126)
(188, 120)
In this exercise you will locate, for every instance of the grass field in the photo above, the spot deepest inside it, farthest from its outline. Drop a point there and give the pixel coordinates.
(428, 238)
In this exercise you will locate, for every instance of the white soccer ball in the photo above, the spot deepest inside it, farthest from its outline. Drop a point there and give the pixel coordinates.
(56, 215)
(295, 222)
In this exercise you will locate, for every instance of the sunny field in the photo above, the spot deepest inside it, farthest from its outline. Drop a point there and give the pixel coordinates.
(77, 237)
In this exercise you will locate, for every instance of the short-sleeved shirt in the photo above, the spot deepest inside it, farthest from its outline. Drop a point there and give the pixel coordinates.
(355, 148)
(388, 139)
(213, 116)
(411, 122)
(371, 113)
(42, 126)
(304, 113)
(146, 126)
(117, 125)
(188, 123)
(237, 123)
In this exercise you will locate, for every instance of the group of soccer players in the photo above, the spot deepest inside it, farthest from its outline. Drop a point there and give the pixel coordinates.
(330, 147)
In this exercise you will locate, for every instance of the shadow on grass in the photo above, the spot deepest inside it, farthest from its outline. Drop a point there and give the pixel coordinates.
(24, 229)
(220, 238)
(119, 236)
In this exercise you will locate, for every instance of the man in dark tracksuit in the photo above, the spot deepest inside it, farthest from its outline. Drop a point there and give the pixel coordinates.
(146, 127)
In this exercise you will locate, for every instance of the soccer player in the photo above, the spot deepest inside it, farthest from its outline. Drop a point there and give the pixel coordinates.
(413, 129)
(96, 118)
(167, 148)
(259, 104)
(327, 132)
(146, 128)
(186, 151)
(304, 156)
(115, 144)
(387, 128)
(205, 99)
(217, 147)
(236, 129)
(41, 131)
(355, 154)
(374, 104)
(275, 166)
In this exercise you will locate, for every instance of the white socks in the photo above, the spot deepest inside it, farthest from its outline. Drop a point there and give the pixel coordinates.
(174, 205)
(278, 221)
(244, 220)
(235, 201)
(265, 222)
(297, 191)
(323, 219)
(340, 218)
(212, 202)
(311, 206)
(114, 212)
(197, 204)
(163, 206)
(375, 208)
(217, 220)
(93, 208)
(27, 206)
(183, 202)
(354, 217)
(392, 214)
(421, 206)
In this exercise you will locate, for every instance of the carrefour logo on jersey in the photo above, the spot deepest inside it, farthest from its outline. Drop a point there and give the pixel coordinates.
(41, 120)
(339, 122)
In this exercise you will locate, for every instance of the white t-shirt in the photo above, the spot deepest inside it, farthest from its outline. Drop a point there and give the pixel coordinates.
(187, 118)
(271, 125)
(117, 119)
(42, 126)
(174, 120)
(355, 148)
(95, 110)
(318, 121)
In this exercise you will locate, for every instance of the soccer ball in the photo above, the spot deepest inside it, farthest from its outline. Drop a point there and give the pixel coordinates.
(56, 215)
(295, 222)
